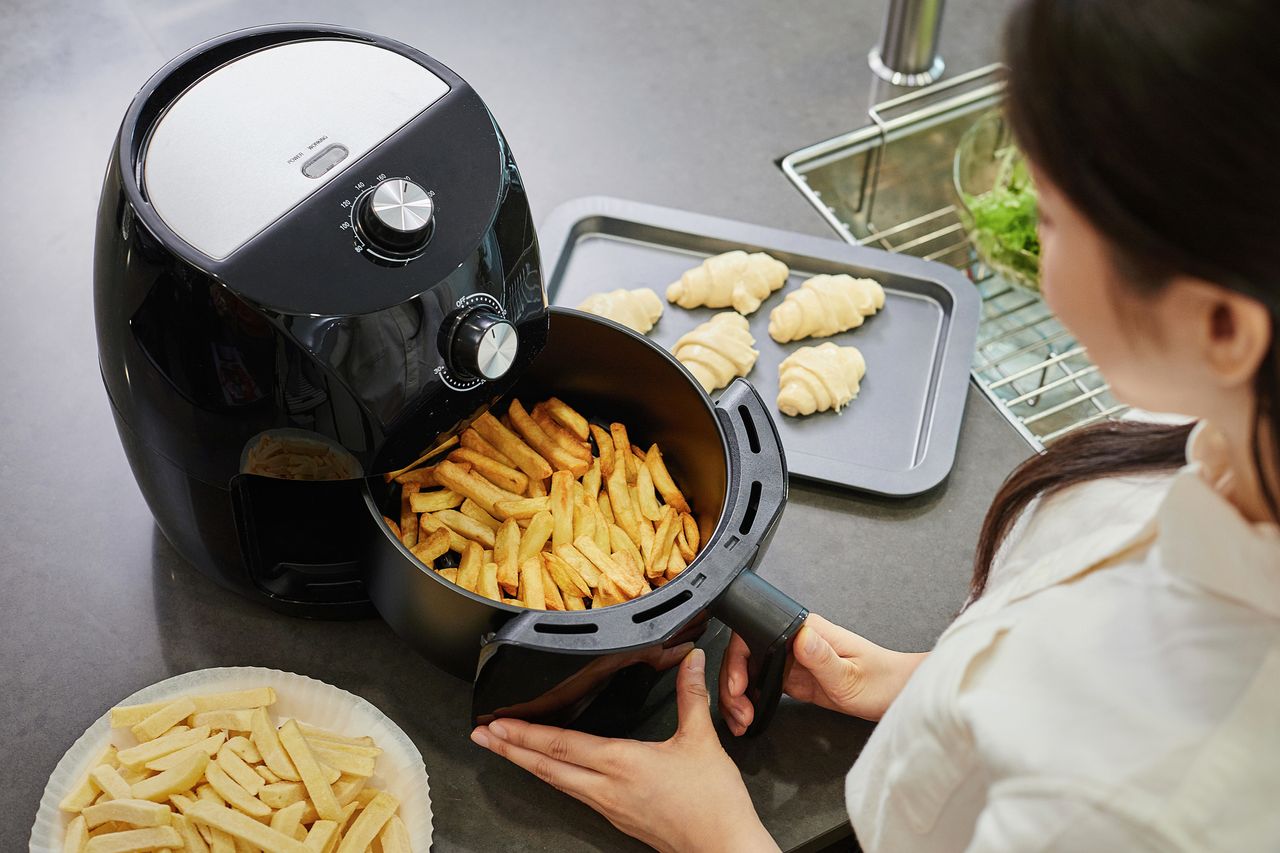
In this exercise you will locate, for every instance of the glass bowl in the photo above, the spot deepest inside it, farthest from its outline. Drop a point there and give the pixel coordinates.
(998, 201)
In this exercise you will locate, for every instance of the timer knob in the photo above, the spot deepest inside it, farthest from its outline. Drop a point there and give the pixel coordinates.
(483, 345)
(396, 217)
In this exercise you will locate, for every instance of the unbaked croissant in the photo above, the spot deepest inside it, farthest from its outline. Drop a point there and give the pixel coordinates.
(825, 305)
(815, 379)
(636, 309)
(718, 350)
(732, 279)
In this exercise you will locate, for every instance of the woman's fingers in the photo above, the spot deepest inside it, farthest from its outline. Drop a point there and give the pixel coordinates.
(575, 780)
(693, 702)
(562, 745)
(837, 677)
(735, 707)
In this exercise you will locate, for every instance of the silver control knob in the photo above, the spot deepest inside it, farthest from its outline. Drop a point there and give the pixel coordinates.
(396, 217)
(484, 345)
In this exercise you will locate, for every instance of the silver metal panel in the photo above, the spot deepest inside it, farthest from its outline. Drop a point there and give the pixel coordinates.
(226, 160)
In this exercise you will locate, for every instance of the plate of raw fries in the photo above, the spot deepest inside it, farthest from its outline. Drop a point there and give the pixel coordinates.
(234, 758)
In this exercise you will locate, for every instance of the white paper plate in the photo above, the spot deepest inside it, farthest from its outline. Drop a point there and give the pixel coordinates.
(399, 769)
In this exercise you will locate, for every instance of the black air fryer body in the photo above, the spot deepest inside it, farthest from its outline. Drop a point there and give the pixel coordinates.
(305, 233)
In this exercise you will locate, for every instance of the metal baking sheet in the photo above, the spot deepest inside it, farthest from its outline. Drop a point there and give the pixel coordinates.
(898, 438)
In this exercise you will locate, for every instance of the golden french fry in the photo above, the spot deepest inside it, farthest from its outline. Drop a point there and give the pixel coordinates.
(395, 527)
(563, 438)
(111, 783)
(469, 568)
(175, 780)
(691, 533)
(537, 489)
(264, 737)
(465, 526)
(622, 449)
(137, 756)
(501, 475)
(423, 477)
(239, 720)
(431, 546)
(580, 564)
(646, 542)
(245, 828)
(648, 501)
(408, 528)
(601, 534)
(675, 565)
(526, 458)
(562, 508)
(506, 553)
(592, 480)
(584, 517)
(152, 838)
(566, 577)
(531, 591)
(627, 561)
(524, 507)
(620, 541)
(473, 486)
(551, 592)
(488, 587)
(608, 593)
(535, 537)
(624, 579)
(450, 574)
(573, 602)
(662, 480)
(323, 836)
(242, 773)
(682, 545)
(663, 540)
(473, 510)
(606, 508)
(318, 789)
(473, 440)
(435, 500)
(620, 501)
(567, 417)
(543, 443)
(163, 719)
(232, 793)
(430, 524)
(130, 811)
(365, 828)
(604, 443)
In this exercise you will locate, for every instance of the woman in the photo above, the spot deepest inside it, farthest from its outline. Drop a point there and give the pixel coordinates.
(1114, 682)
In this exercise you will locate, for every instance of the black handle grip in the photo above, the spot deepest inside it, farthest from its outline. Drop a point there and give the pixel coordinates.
(768, 620)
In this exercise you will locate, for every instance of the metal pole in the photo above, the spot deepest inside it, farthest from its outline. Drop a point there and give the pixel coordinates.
(908, 51)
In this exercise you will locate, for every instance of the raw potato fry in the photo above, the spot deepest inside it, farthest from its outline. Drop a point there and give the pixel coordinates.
(232, 793)
(394, 837)
(321, 793)
(235, 767)
(691, 534)
(488, 587)
(408, 530)
(531, 591)
(434, 501)
(245, 828)
(510, 444)
(565, 415)
(469, 569)
(562, 508)
(288, 820)
(132, 812)
(622, 578)
(238, 721)
(551, 592)
(499, 474)
(123, 716)
(314, 733)
(154, 838)
(543, 443)
(192, 841)
(110, 783)
(78, 836)
(163, 720)
(506, 552)
(138, 756)
(221, 842)
(536, 536)
(622, 449)
(85, 791)
(571, 583)
(465, 526)
(473, 440)
(209, 746)
(473, 486)
(268, 743)
(604, 443)
(579, 563)
(473, 510)
(206, 792)
(366, 827)
(430, 524)
(283, 794)
(647, 500)
(524, 507)
(172, 781)
(323, 836)
(662, 480)
(267, 776)
(431, 546)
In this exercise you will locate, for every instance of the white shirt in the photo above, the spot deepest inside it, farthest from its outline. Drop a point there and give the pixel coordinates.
(1117, 687)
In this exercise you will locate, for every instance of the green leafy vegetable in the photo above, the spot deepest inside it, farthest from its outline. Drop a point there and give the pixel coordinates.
(1004, 224)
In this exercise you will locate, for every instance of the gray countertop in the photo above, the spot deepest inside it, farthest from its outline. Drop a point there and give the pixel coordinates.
(684, 104)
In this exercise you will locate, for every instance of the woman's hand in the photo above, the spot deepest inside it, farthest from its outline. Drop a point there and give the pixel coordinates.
(682, 794)
(829, 666)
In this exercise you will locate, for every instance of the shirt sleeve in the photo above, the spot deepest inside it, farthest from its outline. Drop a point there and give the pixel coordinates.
(1069, 816)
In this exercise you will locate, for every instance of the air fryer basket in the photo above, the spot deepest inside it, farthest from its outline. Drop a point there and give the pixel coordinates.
(726, 458)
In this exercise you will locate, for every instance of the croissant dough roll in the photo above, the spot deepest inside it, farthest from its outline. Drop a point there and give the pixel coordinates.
(636, 309)
(718, 350)
(732, 279)
(823, 306)
(815, 379)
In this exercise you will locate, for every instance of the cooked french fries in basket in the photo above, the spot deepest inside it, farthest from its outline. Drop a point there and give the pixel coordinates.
(547, 510)
(207, 789)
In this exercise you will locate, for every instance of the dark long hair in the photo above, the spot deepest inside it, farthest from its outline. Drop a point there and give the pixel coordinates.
(1158, 119)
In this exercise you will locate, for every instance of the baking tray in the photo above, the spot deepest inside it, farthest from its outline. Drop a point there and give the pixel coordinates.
(898, 438)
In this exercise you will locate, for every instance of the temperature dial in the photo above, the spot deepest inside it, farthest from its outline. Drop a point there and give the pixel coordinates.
(483, 345)
(395, 217)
